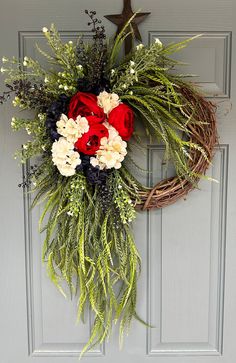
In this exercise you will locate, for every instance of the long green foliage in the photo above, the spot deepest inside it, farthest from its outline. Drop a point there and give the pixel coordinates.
(93, 251)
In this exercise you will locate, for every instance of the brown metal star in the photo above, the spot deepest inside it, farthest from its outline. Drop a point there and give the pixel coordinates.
(121, 19)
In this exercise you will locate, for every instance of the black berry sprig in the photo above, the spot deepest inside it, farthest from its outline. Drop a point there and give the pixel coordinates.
(27, 94)
(54, 112)
(27, 178)
(6, 95)
(94, 59)
(97, 28)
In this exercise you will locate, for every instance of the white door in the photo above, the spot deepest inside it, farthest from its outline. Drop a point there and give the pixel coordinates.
(187, 290)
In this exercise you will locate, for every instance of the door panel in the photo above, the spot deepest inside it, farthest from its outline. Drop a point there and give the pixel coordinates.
(186, 269)
(187, 289)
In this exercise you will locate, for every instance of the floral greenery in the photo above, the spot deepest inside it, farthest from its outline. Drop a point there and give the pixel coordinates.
(89, 241)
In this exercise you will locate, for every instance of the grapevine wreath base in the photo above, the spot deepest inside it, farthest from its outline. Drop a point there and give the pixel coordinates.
(168, 191)
(85, 110)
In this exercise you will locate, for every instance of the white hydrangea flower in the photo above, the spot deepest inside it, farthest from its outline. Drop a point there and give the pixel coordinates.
(119, 146)
(112, 150)
(64, 157)
(108, 101)
(112, 131)
(117, 165)
(66, 170)
(83, 124)
(95, 162)
(61, 148)
(71, 129)
(109, 158)
(74, 159)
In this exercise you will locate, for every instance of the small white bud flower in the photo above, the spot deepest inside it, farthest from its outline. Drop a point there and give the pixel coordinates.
(43, 148)
(158, 42)
(14, 102)
(140, 46)
(124, 86)
(70, 42)
(60, 86)
(131, 93)
(45, 30)
(25, 64)
(34, 184)
(13, 119)
(80, 66)
(40, 116)
(130, 201)
(119, 186)
(46, 80)
(70, 213)
(4, 59)
(66, 88)
(132, 63)
(26, 59)
(2, 70)
(132, 71)
(25, 147)
(112, 71)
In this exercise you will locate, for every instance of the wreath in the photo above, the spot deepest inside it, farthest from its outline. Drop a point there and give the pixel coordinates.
(87, 105)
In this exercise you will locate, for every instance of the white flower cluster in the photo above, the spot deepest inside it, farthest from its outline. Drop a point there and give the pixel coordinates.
(64, 156)
(108, 101)
(111, 152)
(71, 129)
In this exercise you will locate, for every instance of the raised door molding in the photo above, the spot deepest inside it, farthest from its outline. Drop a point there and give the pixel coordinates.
(186, 267)
(208, 57)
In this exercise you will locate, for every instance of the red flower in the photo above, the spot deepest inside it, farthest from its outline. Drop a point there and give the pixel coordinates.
(89, 143)
(122, 119)
(85, 105)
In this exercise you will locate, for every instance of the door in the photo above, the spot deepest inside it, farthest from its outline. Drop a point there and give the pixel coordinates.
(187, 290)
